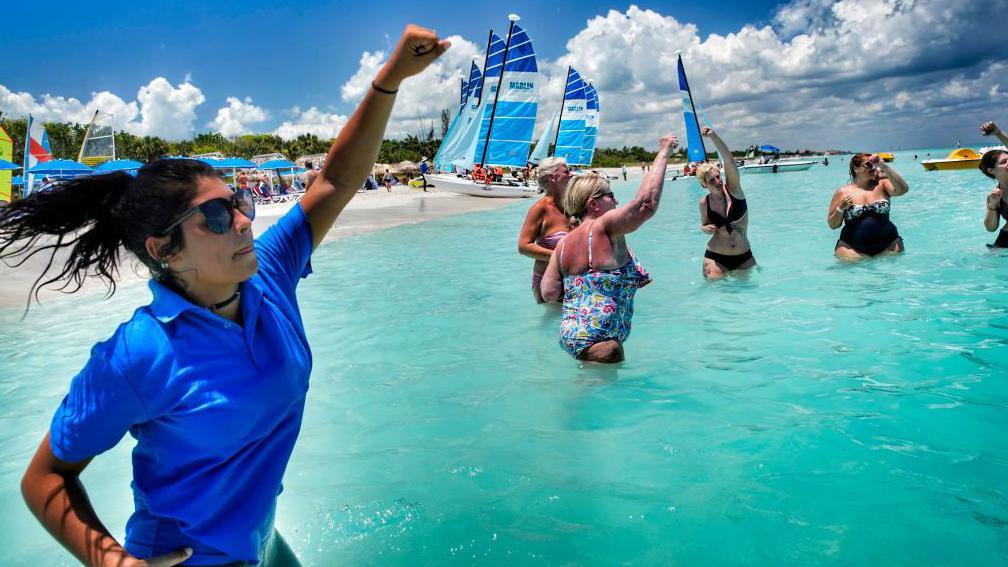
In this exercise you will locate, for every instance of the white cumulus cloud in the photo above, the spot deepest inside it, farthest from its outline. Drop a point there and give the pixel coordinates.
(323, 124)
(235, 118)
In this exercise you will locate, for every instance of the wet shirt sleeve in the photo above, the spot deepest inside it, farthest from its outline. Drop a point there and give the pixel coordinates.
(284, 250)
(99, 409)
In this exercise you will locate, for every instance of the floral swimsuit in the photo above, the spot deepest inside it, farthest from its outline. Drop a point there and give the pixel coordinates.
(598, 304)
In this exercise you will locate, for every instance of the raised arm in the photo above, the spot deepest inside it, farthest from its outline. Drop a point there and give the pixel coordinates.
(991, 129)
(54, 494)
(354, 151)
(642, 207)
(992, 216)
(731, 172)
(896, 185)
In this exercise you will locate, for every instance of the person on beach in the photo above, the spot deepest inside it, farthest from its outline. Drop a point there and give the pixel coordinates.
(623, 170)
(388, 180)
(724, 214)
(545, 223)
(424, 169)
(862, 207)
(994, 164)
(594, 271)
(211, 376)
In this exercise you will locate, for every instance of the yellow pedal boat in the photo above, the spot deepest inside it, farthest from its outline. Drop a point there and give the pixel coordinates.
(886, 156)
(963, 158)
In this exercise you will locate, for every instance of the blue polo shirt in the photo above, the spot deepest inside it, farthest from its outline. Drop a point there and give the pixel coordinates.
(215, 407)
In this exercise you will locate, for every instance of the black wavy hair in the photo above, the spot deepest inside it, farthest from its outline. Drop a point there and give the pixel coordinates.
(988, 160)
(94, 216)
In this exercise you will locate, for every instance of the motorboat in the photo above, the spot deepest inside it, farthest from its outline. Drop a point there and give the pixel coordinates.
(962, 158)
(466, 186)
(778, 166)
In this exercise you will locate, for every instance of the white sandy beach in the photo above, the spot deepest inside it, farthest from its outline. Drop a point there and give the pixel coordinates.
(366, 212)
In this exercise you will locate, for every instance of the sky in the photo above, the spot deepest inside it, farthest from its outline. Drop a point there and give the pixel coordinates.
(874, 75)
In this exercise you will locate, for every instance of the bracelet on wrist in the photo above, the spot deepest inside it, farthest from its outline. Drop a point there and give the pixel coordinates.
(383, 91)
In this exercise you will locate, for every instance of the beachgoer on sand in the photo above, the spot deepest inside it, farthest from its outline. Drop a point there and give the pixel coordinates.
(211, 376)
(593, 271)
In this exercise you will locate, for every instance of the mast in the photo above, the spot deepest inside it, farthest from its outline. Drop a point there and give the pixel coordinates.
(80, 154)
(486, 57)
(693, 106)
(563, 101)
(500, 81)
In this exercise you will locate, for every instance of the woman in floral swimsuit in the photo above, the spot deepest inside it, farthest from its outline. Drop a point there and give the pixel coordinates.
(593, 270)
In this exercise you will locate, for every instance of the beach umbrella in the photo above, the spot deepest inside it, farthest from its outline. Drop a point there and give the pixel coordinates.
(236, 163)
(7, 165)
(770, 149)
(60, 167)
(17, 180)
(119, 165)
(277, 164)
(213, 162)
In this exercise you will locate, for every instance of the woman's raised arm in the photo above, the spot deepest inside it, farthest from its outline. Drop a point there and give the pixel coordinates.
(629, 218)
(354, 151)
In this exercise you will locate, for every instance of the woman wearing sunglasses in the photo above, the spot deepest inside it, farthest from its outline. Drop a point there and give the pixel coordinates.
(862, 207)
(593, 270)
(211, 376)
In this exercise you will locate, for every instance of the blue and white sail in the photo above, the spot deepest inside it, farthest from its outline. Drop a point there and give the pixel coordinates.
(514, 116)
(570, 134)
(591, 125)
(491, 76)
(545, 139)
(695, 149)
(463, 96)
(458, 139)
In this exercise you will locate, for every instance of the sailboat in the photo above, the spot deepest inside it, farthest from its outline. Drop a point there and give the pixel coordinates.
(499, 130)
(99, 140)
(573, 128)
(696, 151)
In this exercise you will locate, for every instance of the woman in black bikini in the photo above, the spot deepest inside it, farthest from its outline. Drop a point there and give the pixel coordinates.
(994, 164)
(862, 207)
(723, 214)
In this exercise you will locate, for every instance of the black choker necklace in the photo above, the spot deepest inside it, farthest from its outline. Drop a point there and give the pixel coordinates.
(225, 303)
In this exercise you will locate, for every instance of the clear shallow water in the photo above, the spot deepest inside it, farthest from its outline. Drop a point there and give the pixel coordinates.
(813, 412)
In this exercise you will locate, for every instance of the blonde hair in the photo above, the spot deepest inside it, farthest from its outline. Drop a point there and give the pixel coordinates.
(548, 167)
(579, 191)
(702, 170)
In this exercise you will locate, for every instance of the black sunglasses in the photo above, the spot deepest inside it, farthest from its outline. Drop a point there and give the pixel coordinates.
(219, 213)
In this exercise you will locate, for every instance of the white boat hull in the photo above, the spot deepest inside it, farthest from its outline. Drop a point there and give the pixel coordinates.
(782, 167)
(464, 186)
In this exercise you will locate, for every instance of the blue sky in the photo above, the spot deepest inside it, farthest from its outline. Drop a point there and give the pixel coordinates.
(280, 60)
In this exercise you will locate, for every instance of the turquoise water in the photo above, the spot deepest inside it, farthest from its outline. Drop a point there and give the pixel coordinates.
(813, 412)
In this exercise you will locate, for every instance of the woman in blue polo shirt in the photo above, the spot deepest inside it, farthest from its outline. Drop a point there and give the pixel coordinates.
(211, 376)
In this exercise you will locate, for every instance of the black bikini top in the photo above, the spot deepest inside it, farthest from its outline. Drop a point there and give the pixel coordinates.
(738, 210)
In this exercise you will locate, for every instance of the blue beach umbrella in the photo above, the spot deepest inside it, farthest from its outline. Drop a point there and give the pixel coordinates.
(17, 180)
(8, 165)
(119, 165)
(278, 164)
(235, 163)
(61, 167)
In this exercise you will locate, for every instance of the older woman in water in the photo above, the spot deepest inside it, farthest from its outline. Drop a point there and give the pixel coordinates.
(593, 270)
(545, 224)
(210, 378)
(862, 207)
(994, 164)
(723, 214)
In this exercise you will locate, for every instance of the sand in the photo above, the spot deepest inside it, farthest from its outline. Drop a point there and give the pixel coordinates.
(366, 212)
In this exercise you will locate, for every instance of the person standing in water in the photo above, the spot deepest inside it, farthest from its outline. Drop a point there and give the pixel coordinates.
(994, 164)
(211, 376)
(593, 270)
(862, 207)
(724, 214)
(545, 223)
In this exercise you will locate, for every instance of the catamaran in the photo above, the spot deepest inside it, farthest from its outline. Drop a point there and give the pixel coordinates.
(573, 128)
(696, 151)
(495, 129)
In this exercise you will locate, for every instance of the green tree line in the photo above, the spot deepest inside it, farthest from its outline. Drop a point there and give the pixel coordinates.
(66, 138)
